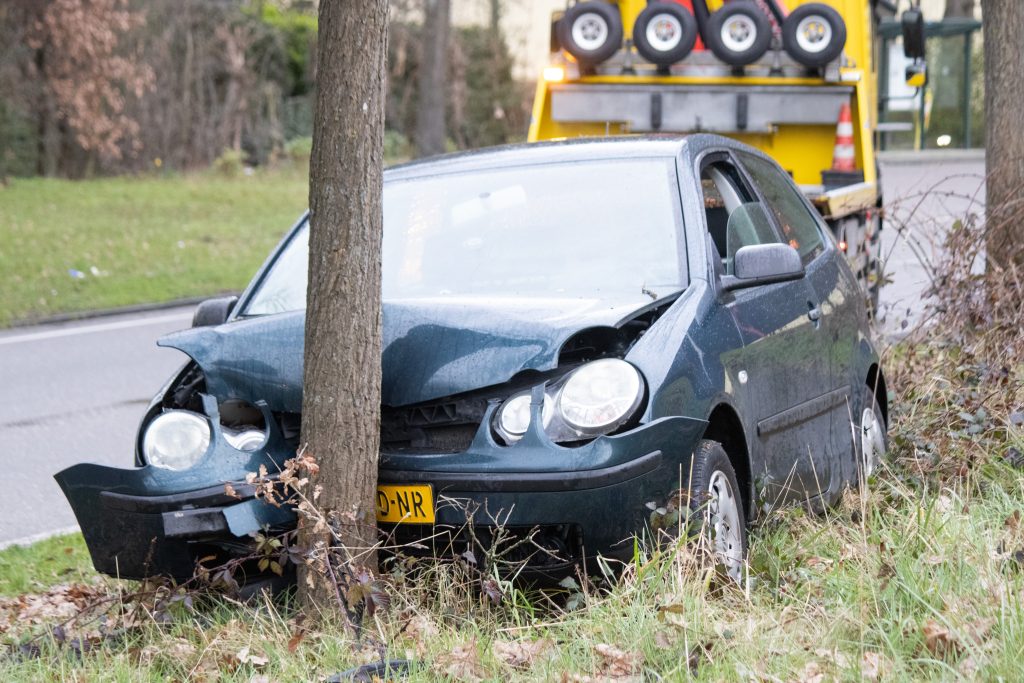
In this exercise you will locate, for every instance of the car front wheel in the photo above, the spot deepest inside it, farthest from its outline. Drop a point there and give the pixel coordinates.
(717, 506)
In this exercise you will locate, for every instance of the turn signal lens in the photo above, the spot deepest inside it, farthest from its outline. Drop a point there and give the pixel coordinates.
(554, 74)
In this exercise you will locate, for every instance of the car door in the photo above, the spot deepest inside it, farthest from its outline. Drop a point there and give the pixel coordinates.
(803, 229)
(781, 367)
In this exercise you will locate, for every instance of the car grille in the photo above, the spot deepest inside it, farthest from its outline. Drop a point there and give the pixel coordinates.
(443, 427)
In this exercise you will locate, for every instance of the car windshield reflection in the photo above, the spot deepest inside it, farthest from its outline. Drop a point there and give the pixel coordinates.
(594, 229)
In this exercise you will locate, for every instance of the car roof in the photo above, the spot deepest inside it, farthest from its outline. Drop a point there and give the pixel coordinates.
(577, 149)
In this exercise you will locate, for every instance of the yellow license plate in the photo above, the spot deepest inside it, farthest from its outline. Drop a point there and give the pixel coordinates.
(410, 503)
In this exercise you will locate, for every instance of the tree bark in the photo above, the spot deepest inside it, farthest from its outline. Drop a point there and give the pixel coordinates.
(430, 114)
(1004, 148)
(341, 402)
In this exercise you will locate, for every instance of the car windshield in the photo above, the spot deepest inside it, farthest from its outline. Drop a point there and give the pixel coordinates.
(596, 229)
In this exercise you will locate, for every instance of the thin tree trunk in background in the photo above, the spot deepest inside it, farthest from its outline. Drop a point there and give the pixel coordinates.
(959, 8)
(495, 26)
(50, 138)
(341, 401)
(430, 113)
(1004, 113)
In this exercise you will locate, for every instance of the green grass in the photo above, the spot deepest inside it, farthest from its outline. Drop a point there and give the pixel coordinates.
(61, 559)
(831, 595)
(137, 240)
(919, 577)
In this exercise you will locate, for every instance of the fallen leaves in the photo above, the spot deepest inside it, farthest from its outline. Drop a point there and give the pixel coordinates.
(462, 663)
(873, 666)
(946, 642)
(521, 654)
(56, 604)
(616, 663)
(245, 656)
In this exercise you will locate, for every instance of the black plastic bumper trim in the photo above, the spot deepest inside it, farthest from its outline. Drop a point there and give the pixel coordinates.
(211, 496)
(525, 482)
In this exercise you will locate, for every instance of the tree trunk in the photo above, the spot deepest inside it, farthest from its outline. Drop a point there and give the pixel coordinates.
(341, 402)
(430, 113)
(495, 23)
(1004, 148)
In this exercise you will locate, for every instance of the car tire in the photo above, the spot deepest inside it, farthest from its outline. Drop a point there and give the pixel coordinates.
(664, 33)
(739, 33)
(591, 31)
(716, 506)
(814, 34)
(872, 436)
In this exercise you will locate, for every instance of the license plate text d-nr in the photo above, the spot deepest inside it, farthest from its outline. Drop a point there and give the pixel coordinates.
(409, 503)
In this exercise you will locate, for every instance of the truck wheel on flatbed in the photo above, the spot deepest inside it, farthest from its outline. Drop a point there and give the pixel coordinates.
(591, 31)
(664, 33)
(739, 33)
(814, 34)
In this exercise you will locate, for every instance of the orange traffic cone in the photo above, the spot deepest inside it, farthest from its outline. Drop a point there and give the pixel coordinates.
(842, 158)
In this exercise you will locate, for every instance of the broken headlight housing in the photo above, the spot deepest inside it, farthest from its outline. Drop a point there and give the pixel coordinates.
(594, 399)
(176, 440)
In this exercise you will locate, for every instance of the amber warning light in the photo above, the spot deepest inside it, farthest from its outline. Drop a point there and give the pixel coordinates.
(554, 74)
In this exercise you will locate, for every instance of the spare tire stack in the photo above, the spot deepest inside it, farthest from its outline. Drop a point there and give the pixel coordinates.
(739, 33)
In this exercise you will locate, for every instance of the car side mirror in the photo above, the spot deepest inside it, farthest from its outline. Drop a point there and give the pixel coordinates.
(214, 311)
(764, 264)
(912, 23)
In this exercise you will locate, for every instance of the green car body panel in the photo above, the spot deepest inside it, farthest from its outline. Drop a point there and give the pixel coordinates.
(783, 364)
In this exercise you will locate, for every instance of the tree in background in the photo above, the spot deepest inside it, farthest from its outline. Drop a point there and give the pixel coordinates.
(430, 113)
(341, 398)
(80, 78)
(232, 84)
(959, 8)
(1004, 151)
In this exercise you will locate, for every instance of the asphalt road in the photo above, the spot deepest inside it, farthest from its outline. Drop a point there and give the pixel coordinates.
(75, 392)
(69, 393)
(922, 200)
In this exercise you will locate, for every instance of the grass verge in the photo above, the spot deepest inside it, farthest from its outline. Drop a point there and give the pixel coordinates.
(919, 577)
(60, 559)
(70, 246)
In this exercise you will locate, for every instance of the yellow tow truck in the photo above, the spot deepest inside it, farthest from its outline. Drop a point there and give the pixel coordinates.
(793, 78)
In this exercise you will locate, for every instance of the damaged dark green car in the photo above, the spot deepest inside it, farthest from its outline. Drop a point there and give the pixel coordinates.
(575, 334)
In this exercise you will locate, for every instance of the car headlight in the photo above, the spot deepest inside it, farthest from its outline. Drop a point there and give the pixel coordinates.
(247, 440)
(600, 396)
(513, 418)
(176, 440)
(594, 399)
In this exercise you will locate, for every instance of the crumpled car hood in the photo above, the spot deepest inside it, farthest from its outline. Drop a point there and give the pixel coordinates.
(431, 347)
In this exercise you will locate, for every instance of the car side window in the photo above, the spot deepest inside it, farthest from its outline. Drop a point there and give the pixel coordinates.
(799, 227)
(732, 214)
